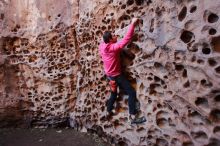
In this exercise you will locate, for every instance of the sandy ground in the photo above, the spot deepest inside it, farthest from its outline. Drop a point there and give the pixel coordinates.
(48, 137)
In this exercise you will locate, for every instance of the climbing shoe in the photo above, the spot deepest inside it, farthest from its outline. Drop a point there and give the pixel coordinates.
(111, 113)
(137, 120)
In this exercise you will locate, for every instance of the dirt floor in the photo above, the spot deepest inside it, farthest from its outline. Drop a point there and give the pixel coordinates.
(48, 137)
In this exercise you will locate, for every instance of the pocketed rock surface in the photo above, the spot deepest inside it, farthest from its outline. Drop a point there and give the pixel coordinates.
(51, 72)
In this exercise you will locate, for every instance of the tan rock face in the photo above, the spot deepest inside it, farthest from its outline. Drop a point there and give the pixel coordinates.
(51, 71)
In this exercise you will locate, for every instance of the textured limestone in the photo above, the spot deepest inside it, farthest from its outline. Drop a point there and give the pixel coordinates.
(51, 72)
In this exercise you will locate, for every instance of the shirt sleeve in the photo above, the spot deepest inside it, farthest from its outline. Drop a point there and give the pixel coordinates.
(124, 41)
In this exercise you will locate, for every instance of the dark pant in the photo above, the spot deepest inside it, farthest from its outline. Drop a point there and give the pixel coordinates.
(124, 84)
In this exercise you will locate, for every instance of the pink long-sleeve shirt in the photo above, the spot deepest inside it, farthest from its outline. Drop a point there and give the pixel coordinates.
(110, 53)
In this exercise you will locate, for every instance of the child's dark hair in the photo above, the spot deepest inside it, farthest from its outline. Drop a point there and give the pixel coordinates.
(107, 36)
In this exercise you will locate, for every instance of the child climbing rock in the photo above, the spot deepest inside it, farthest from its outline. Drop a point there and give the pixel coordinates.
(110, 51)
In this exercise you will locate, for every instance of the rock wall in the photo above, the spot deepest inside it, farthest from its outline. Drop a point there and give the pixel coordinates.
(51, 72)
